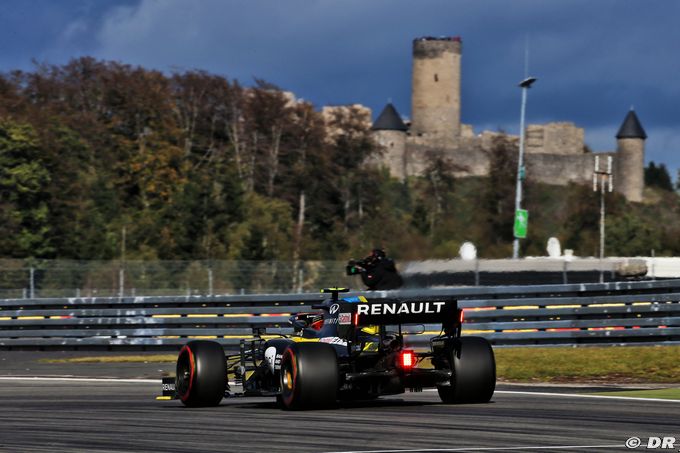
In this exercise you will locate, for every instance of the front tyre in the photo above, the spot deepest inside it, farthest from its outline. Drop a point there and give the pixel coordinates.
(474, 371)
(201, 374)
(309, 376)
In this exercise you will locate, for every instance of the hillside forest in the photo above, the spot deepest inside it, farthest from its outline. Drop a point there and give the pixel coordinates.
(100, 159)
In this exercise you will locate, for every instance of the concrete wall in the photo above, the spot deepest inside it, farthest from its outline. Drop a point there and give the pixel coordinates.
(435, 95)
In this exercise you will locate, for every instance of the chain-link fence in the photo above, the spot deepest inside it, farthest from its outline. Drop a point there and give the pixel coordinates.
(63, 278)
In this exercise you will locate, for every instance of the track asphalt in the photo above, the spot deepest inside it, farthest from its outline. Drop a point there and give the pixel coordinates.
(48, 415)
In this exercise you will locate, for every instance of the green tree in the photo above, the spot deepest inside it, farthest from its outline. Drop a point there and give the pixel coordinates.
(657, 176)
(24, 217)
(499, 195)
(631, 235)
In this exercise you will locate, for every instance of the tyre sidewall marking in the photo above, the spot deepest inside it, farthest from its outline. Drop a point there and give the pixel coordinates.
(192, 373)
(288, 399)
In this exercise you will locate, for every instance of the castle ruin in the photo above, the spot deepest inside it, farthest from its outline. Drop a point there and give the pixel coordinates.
(555, 152)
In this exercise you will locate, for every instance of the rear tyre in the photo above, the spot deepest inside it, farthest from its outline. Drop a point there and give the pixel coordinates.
(309, 376)
(474, 371)
(201, 374)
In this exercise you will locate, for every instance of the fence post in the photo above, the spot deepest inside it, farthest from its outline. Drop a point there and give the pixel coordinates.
(32, 282)
(210, 281)
(301, 276)
(121, 282)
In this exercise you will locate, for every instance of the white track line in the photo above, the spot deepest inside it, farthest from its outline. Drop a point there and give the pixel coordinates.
(551, 447)
(81, 379)
(77, 379)
(579, 395)
(158, 381)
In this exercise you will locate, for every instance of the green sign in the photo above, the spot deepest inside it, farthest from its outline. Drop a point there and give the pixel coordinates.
(521, 223)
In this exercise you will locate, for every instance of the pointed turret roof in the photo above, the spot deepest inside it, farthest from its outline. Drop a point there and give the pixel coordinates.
(631, 127)
(389, 120)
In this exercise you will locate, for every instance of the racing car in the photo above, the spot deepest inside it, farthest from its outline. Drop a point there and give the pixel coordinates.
(351, 348)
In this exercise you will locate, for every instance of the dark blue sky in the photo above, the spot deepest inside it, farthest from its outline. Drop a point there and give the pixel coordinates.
(593, 59)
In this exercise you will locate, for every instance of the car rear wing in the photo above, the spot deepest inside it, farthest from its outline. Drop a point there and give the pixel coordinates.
(401, 311)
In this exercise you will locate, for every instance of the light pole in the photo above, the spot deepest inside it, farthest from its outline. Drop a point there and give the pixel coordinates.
(525, 85)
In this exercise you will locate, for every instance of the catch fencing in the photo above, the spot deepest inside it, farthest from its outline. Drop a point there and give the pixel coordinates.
(29, 279)
(576, 314)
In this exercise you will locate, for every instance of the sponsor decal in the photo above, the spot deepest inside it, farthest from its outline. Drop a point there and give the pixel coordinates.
(270, 357)
(401, 308)
(331, 321)
(169, 387)
(345, 318)
(355, 299)
(334, 308)
(333, 340)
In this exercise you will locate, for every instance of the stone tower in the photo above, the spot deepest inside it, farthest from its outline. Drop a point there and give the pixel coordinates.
(435, 91)
(390, 133)
(630, 158)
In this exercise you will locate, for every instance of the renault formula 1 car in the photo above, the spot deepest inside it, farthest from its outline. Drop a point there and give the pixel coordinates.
(352, 348)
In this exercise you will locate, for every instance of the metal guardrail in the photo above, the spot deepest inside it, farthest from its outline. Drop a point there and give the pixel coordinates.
(577, 314)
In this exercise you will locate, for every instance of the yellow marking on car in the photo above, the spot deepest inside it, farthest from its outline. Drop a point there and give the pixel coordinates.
(609, 305)
(201, 316)
(642, 303)
(203, 337)
(303, 340)
(519, 330)
(164, 398)
(521, 307)
(362, 299)
(5, 318)
(31, 317)
(562, 306)
(166, 316)
(476, 332)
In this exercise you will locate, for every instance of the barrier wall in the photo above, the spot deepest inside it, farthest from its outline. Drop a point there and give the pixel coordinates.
(579, 314)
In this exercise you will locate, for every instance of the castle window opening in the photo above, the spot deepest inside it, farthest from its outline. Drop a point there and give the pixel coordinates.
(436, 78)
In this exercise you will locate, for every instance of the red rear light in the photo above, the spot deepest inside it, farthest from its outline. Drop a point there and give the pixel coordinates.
(461, 316)
(408, 359)
(356, 319)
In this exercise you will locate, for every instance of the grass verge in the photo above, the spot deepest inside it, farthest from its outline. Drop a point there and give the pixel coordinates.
(151, 358)
(644, 364)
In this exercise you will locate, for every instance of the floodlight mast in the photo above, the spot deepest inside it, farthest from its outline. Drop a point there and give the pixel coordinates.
(602, 179)
(525, 85)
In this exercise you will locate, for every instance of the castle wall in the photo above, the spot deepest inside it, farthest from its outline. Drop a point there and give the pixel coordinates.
(554, 138)
(394, 154)
(629, 176)
(561, 169)
(435, 95)
(471, 161)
